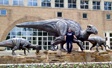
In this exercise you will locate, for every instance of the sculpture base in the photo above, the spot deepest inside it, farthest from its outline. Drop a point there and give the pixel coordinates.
(58, 57)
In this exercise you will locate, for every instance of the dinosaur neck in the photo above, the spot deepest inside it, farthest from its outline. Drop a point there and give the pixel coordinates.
(85, 35)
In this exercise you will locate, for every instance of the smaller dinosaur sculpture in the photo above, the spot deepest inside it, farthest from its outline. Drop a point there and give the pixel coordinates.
(98, 41)
(18, 43)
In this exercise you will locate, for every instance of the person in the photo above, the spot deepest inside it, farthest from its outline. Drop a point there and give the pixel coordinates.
(69, 38)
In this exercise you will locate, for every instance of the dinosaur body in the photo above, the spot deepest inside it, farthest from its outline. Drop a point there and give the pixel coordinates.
(18, 43)
(97, 41)
(59, 27)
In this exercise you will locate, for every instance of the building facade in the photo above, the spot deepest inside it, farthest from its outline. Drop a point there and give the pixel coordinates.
(95, 12)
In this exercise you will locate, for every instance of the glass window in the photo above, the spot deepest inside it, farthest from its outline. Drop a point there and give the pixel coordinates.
(32, 2)
(109, 40)
(84, 15)
(107, 6)
(86, 45)
(108, 16)
(71, 3)
(110, 34)
(3, 12)
(59, 14)
(46, 3)
(34, 36)
(84, 4)
(59, 3)
(96, 5)
(4, 2)
(18, 2)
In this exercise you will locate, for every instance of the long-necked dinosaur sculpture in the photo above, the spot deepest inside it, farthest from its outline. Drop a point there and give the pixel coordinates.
(58, 28)
(19, 43)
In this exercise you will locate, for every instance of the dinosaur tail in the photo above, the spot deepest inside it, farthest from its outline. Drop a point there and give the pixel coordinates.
(6, 43)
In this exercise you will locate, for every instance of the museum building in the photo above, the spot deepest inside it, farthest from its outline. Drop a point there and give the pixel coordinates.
(95, 12)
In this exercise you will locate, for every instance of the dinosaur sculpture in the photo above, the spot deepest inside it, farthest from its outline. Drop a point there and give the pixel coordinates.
(58, 28)
(98, 41)
(18, 43)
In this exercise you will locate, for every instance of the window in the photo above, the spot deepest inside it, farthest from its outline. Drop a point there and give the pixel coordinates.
(84, 15)
(84, 4)
(46, 3)
(107, 6)
(109, 41)
(96, 5)
(71, 3)
(4, 2)
(3, 12)
(86, 45)
(59, 14)
(32, 2)
(108, 16)
(59, 3)
(34, 36)
(18, 2)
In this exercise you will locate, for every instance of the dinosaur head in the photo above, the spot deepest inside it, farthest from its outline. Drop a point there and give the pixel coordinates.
(38, 48)
(91, 29)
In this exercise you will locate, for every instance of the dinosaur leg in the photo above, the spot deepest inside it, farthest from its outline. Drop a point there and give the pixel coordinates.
(92, 46)
(97, 47)
(58, 40)
(15, 48)
(62, 44)
(24, 51)
(105, 46)
(24, 46)
(80, 44)
(101, 47)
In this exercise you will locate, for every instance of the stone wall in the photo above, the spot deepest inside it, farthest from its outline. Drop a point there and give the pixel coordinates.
(59, 57)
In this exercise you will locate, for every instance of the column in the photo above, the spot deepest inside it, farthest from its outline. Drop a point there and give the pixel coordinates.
(53, 3)
(25, 2)
(108, 39)
(78, 4)
(102, 5)
(90, 4)
(59, 46)
(65, 3)
(39, 3)
(10, 2)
